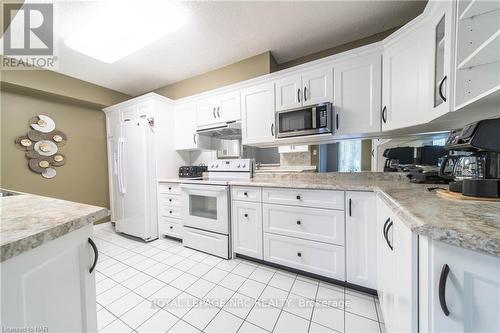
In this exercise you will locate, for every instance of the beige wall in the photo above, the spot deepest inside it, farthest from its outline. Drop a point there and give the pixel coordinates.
(56, 85)
(84, 178)
(243, 70)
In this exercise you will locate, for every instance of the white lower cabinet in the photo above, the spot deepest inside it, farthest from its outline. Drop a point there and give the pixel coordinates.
(51, 287)
(459, 289)
(309, 256)
(397, 280)
(247, 228)
(361, 241)
(169, 210)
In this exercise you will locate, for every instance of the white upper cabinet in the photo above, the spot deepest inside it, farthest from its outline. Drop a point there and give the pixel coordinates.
(206, 112)
(219, 109)
(405, 79)
(304, 89)
(361, 241)
(257, 105)
(185, 128)
(229, 106)
(459, 289)
(358, 94)
(440, 33)
(317, 86)
(289, 92)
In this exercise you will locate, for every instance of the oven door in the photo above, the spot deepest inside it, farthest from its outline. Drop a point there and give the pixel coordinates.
(205, 207)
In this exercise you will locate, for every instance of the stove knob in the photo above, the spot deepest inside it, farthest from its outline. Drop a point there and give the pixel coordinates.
(239, 165)
(244, 165)
(216, 165)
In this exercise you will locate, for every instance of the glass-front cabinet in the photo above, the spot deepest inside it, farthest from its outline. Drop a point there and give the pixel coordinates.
(442, 23)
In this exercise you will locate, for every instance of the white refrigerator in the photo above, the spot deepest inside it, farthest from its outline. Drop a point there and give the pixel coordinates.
(131, 150)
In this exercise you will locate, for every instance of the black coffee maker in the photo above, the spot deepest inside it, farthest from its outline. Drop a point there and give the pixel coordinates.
(477, 154)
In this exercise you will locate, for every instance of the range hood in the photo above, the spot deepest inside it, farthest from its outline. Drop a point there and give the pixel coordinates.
(229, 131)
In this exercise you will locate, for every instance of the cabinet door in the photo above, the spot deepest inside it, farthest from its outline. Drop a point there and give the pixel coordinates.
(257, 105)
(405, 286)
(247, 228)
(358, 94)
(185, 127)
(206, 112)
(386, 266)
(471, 290)
(440, 33)
(289, 93)
(228, 107)
(317, 86)
(50, 286)
(406, 82)
(361, 241)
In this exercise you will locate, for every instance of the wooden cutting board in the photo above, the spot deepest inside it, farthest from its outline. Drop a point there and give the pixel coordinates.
(459, 196)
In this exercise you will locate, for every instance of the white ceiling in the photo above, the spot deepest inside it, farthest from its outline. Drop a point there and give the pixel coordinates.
(221, 33)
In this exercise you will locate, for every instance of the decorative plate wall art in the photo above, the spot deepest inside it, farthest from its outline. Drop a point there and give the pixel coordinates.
(42, 145)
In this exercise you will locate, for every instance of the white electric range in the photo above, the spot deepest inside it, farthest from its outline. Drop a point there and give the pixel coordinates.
(206, 206)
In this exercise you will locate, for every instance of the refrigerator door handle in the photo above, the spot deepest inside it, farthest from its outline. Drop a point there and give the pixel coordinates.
(121, 180)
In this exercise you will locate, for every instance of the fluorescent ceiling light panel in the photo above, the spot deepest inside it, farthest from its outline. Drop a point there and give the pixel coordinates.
(123, 27)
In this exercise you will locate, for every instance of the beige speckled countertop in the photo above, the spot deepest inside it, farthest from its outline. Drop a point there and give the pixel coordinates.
(473, 225)
(28, 221)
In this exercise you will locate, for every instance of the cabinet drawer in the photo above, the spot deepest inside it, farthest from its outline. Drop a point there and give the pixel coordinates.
(316, 224)
(301, 197)
(172, 188)
(170, 227)
(169, 200)
(172, 212)
(247, 193)
(205, 241)
(318, 258)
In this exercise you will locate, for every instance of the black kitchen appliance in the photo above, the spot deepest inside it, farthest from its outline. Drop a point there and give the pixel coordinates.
(478, 173)
(192, 171)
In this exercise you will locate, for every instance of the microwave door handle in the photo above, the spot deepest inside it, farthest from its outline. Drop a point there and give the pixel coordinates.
(314, 117)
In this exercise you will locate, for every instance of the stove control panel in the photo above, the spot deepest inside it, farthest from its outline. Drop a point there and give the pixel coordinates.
(239, 165)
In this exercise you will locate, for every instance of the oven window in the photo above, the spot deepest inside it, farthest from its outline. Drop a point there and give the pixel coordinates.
(203, 206)
(295, 120)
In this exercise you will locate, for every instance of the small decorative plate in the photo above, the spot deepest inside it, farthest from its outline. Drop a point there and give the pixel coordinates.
(24, 143)
(44, 124)
(58, 160)
(49, 173)
(46, 148)
(32, 154)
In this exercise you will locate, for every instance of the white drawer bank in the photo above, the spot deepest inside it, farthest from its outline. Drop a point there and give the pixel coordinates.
(169, 210)
(305, 229)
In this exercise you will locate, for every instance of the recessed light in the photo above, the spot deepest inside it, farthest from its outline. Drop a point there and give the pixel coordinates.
(123, 27)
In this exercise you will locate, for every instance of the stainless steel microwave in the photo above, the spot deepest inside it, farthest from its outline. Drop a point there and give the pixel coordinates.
(310, 120)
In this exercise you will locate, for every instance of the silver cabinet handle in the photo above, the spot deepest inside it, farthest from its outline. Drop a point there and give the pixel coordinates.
(213, 112)
(298, 95)
(305, 94)
(194, 138)
(218, 114)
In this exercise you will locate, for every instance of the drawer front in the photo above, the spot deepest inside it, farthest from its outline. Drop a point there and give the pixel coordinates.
(170, 227)
(169, 200)
(172, 212)
(205, 241)
(169, 188)
(322, 225)
(246, 193)
(247, 228)
(318, 258)
(300, 197)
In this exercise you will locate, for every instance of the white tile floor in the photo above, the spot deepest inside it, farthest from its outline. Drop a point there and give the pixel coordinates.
(162, 286)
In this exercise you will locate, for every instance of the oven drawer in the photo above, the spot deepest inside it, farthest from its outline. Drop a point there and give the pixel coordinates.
(169, 188)
(170, 227)
(172, 212)
(316, 224)
(246, 193)
(205, 241)
(301, 197)
(318, 258)
(169, 200)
